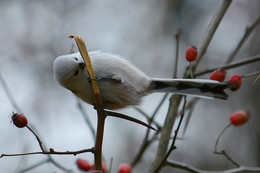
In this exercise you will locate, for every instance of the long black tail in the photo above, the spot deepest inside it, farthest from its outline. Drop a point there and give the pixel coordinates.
(197, 87)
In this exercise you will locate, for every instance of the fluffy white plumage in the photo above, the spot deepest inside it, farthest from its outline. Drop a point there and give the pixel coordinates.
(121, 84)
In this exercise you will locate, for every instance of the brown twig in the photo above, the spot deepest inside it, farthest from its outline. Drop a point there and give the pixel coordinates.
(122, 116)
(52, 152)
(37, 137)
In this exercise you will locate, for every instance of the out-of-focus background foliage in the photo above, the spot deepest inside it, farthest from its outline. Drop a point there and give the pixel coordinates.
(33, 33)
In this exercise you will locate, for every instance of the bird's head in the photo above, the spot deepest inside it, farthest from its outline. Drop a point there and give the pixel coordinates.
(68, 69)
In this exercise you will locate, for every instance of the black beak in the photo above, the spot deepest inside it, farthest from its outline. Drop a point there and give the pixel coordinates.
(82, 65)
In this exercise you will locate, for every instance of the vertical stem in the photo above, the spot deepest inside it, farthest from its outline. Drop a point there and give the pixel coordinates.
(99, 139)
(190, 69)
(166, 132)
(177, 38)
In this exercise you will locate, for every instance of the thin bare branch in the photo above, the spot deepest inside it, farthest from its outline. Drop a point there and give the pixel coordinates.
(193, 169)
(248, 32)
(9, 94)
(177, 37)
(173, 147)
(37, 137)
(51, 152)
(231, 159)
(166, 131)
(122, 116)
(86, 118)
(212, 27)
(220, 134)
(231, 65)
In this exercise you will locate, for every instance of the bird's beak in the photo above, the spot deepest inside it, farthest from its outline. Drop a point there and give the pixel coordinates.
(82, 65)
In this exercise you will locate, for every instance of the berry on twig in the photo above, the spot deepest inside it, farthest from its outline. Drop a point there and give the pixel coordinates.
(218, 75)
(19, 120)
(236, 81)
(239, 117)
(191, 53)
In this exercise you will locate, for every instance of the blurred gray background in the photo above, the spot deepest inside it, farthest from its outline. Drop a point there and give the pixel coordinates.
(33, 33)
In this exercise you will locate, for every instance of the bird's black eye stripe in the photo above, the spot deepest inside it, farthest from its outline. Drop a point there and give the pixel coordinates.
(76, 58)
(76, 73)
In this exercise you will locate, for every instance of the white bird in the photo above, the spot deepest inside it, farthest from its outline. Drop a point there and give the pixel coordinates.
(121, 84)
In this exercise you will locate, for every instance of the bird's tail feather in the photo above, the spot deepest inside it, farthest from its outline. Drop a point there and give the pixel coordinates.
(196, 87)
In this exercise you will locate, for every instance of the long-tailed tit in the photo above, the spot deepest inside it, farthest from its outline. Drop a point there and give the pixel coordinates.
(121, 84)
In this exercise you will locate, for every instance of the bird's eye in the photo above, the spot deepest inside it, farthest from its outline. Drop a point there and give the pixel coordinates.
(76, 58)
(76, 73)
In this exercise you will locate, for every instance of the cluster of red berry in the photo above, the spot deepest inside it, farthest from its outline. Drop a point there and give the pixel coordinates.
(84, 165)
(238, 117)
(218, 75)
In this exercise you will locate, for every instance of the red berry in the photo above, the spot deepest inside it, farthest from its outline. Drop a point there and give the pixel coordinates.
(124, 168)
(236, 81)
(83, 165)
(191, 53)
(239, 117)
(104, 169)
(218, 75)
(19, 120)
